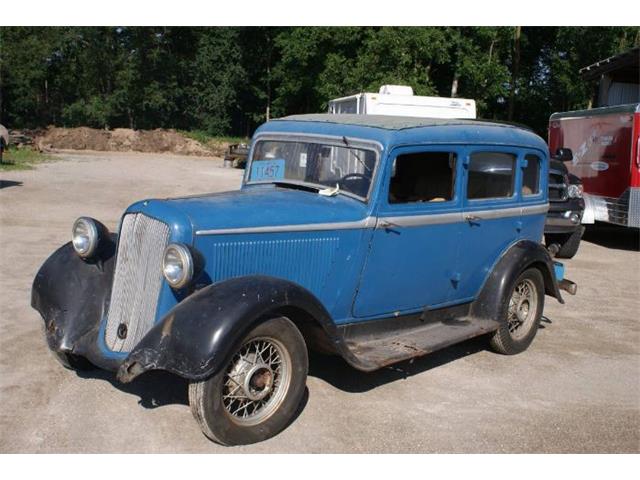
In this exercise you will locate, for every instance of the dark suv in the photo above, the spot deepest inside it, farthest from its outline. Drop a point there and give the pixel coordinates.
(563, 228)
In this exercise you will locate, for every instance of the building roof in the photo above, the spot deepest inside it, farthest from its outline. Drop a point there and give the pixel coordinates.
(390, 122)
(623, 63)
(592, 112)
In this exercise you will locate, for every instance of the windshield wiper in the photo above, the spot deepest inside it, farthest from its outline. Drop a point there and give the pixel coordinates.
(327, 192)
(297, 186)
(346, 142)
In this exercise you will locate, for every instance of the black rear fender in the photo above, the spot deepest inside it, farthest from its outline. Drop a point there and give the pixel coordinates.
(516, 259)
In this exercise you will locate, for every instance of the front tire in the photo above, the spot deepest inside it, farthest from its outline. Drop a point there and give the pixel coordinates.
(568, 242)
(257, 394)
(522, 314)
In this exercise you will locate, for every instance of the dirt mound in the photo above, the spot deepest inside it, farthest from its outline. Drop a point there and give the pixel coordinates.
(120, 140)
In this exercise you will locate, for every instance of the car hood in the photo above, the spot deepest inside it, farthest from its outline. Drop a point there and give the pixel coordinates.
(259, 206)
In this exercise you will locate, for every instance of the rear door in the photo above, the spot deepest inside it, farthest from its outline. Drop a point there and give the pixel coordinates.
(492, 212)
(412, 259)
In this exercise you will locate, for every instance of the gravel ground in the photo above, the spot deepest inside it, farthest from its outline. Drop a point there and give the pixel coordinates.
(577, 389)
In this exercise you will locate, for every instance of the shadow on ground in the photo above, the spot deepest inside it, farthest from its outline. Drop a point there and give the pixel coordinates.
(335, 371)
(613, 236)
(158, 388)
(155, 388)
(9, 183)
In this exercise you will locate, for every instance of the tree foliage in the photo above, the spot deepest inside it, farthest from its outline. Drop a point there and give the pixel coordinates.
(228, 80)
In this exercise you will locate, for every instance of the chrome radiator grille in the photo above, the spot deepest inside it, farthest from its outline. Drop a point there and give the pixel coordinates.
(136, 282)
(557, 186)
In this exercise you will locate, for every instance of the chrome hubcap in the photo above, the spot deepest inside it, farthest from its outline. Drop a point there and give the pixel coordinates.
(522, 309)
(256, 381)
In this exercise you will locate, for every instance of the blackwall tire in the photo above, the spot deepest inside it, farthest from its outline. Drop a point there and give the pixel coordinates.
(258, 392)
(569, 242)
(522, 313)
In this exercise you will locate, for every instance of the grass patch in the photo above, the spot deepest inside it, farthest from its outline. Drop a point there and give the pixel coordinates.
(206, 139)
(217, 145)
(22, 159)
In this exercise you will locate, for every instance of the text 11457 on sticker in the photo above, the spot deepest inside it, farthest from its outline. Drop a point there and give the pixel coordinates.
(267, 170)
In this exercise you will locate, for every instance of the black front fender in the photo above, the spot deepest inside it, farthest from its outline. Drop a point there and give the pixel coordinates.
(71, 295)
(199, 334)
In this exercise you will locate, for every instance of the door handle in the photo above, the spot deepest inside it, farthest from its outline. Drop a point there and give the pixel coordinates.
(388, 224)
(472, 218)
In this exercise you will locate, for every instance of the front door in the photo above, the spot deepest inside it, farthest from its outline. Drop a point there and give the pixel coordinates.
(412, 259)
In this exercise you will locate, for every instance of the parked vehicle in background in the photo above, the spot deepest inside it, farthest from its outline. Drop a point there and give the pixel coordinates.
(605, 142)
(236, 155)
(563, 229)
(394, 100)
(376, 238)
(399, 100)
(4, 140)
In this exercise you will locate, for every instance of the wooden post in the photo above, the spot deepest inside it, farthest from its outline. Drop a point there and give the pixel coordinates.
(515, 66)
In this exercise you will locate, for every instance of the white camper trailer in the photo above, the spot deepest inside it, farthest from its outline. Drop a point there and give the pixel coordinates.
(399, 100)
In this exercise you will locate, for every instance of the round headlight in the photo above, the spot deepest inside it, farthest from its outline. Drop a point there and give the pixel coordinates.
(85, 236)
(177, 265)
(574, 191)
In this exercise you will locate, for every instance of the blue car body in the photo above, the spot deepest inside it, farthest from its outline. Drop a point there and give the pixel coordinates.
(351, 268)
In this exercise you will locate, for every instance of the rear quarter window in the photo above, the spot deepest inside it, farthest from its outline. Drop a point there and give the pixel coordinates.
(531, 175)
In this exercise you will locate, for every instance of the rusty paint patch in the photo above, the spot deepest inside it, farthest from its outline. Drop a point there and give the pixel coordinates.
(166, 328)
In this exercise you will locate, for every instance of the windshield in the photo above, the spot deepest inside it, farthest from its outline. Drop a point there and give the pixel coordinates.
(315, 164)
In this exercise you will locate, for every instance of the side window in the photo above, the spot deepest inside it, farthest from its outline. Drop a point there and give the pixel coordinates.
(531, 175)
(423, 177)
(491, 175)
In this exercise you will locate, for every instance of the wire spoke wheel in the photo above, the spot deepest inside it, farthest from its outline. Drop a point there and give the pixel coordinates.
(258, 391)
(256, 381)
(522, 310)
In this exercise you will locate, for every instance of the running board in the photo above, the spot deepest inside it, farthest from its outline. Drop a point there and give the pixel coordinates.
(379, 343)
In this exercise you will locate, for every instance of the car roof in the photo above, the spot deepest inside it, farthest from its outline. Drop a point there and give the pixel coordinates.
(391, 131)
(392, 122)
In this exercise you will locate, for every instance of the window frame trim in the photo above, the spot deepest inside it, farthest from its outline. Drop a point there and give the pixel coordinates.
(541, 184)
(453, 205)
(515, 196)
(333, 140)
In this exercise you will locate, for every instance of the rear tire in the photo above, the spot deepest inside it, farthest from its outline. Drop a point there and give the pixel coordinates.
(522, 314)
(257, 393)
(569, 242)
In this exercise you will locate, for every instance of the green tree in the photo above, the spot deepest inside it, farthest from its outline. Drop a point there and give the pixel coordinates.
(218, 72)
(227, 80)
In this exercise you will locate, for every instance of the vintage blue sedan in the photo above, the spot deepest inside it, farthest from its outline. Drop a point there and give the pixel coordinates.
(374, 238)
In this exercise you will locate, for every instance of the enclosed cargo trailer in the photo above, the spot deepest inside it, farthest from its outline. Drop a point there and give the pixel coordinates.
(399, 100)
(604, 141)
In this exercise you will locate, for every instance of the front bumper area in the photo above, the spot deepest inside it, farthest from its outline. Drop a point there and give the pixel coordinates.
(72, 295)
(624, 211)
(564, 217)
